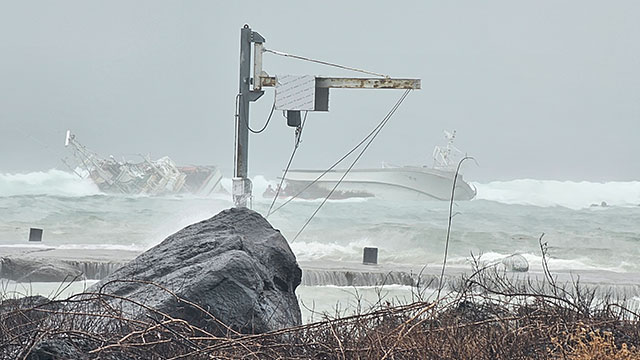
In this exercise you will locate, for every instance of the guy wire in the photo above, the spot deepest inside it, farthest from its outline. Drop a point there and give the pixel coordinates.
(381, 123)
(280, 53)
(286, 170)
(391, 112)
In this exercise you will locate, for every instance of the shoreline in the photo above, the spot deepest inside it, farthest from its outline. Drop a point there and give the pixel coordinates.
(96, 264)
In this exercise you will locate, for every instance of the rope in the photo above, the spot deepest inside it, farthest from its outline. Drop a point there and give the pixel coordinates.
(381, 123)
(237, 115)
(385, 121)
(286, 170)
(266, 123)
(280, 53)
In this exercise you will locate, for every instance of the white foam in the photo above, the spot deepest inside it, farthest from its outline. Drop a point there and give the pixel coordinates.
(308, 251)
(52, 290)
(367, 287)
(28, 246)
(130, 247)
(535, 262)
(124, 247)
(347, 200)
(544, 193)
(52, 182)
(261, 183)
(570, 194)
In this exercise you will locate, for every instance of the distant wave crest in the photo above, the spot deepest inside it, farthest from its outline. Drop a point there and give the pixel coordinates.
(52, 182)
(570, 194)
(544, 193)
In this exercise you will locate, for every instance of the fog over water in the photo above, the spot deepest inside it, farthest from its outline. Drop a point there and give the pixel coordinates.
(541, 90)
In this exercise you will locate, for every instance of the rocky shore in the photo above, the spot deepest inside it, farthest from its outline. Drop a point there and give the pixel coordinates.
(225, 288)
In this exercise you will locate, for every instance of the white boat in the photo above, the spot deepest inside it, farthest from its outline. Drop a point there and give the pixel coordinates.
(147, 176)
(388, 182)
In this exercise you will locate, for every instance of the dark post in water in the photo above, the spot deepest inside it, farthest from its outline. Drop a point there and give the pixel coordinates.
(370, 256)
(35, 234)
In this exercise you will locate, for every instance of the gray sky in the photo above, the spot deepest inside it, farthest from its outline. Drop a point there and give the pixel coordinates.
(538, 89)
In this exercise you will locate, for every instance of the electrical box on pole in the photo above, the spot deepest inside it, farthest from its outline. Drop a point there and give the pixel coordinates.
(293, 93)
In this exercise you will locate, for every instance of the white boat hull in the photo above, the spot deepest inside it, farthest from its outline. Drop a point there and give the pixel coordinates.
(397, 183)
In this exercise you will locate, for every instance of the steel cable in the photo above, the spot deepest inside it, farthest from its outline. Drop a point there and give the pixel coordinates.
(381, 123)
(286, 170)
(379, 128)
(280, 53)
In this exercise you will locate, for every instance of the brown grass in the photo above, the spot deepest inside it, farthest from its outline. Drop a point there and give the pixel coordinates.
(490, 316)
(487, 315)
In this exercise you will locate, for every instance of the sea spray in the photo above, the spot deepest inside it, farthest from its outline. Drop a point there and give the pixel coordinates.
(507, 217)
(52, 182)
(573, 195)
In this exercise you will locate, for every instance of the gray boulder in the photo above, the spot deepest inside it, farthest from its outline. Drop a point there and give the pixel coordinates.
(57, 349)
(233, 265)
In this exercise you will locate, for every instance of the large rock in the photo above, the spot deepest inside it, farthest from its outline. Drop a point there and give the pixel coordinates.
(234, 265)
(57, 348)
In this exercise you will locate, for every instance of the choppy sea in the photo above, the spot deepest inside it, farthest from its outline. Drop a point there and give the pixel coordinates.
(506, 217)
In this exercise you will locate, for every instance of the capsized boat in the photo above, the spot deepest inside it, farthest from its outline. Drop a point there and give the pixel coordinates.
(148, 177)
(388, 182)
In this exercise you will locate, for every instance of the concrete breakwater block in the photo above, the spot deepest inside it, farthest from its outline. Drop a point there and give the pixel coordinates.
(45, 267)
(234, 265)
(23, 269)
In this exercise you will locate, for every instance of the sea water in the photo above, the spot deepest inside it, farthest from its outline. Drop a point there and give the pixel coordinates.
(506, 217)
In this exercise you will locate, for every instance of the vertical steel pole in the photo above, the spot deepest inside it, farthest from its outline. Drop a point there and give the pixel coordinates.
(241, 183)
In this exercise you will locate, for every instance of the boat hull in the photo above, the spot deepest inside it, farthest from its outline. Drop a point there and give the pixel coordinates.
(398, 183)
(145, 177)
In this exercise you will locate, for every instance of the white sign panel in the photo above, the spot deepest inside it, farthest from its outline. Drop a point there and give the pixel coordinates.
(295, 92)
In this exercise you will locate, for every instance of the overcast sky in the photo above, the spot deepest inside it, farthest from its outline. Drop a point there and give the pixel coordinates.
(537, 89)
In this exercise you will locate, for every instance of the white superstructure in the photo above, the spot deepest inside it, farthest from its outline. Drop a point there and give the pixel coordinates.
(389, 182)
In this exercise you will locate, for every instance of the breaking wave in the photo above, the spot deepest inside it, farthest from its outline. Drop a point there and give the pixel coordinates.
(260, 184)
(542, 193)
(535, 262)
(52, 182)
(569, 194)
